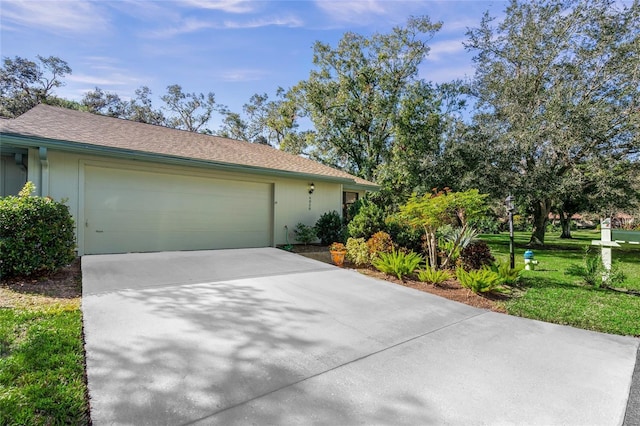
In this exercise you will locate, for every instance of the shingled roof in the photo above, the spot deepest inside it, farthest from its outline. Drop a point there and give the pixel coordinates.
(82, 130)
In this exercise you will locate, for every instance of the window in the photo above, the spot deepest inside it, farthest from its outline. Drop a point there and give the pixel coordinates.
(348, 199)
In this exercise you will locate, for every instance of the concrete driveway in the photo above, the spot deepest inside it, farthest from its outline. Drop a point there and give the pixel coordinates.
(262, 336)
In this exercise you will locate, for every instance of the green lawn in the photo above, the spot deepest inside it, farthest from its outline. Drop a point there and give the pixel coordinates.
(550, 294)
(41, 360)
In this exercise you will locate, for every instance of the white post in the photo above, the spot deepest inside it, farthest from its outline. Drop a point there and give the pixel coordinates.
(605, 237)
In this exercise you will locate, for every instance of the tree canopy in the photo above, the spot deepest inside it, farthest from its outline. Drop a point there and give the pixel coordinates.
(557, 89)
(25, 83)
(354, 94)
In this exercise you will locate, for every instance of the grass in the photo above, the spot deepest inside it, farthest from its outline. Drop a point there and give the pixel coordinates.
(41, 360)
(550, 294)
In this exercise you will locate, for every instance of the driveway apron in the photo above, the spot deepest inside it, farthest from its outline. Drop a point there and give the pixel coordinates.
(263, 336)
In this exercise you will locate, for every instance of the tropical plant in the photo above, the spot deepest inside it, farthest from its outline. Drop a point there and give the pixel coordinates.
(329, 228)
(434, 276)
(358, 251)
(510, 276)
(397, 263)
(432, 211)
(453, 241)
(481, 280)
(304, 233)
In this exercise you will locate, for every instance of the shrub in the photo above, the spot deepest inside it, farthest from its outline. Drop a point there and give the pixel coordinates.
(36, 234)
(487, 225)
(476, 255)
(521, 223)
(434, 276)
(380, 242)
(329, 228)
(358, 251)
(368, 221)
(405, 235)
(304, 233)
(397, 263)
(480, 280)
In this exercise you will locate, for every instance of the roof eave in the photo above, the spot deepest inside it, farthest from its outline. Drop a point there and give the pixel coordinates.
(27, 141)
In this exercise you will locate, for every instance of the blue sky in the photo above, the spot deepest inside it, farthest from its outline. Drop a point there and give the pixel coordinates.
(229, 47)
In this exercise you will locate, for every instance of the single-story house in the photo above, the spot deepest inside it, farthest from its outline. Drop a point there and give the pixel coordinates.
(135, 187)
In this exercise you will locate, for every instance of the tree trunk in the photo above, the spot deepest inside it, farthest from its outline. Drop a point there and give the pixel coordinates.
(541, 209)
(431, 244)
(565, 222)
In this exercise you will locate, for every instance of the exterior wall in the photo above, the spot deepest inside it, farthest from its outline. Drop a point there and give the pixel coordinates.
(65, 181)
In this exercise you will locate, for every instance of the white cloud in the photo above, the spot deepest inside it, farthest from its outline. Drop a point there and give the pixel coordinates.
(458, 24)
(361, 12)
(230, 6)
(193, 25)
(145, 11)
(290, 22)
(439, 49)
(350, 11)
(103, 71)
(185, 27)
(240, 75)
(115, 79)
(73, 17)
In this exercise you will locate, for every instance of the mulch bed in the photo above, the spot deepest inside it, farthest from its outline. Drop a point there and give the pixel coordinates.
(63, 284)
(450, 289)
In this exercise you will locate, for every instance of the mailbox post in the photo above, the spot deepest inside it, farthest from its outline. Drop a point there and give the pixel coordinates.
(509, 203)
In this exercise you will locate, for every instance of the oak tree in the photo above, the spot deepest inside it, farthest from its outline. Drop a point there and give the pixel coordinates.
(557, 89)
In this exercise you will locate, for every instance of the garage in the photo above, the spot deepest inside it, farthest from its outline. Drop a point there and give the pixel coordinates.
(128, 210)
(137, 187)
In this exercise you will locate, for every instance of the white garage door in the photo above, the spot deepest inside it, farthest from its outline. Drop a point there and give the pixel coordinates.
(136, 211)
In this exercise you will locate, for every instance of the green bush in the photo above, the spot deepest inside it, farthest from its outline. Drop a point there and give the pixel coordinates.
(36, 234)
(521, 223)
(368, 221)
(358, 251)
(397, 263)
(329, 228)
(481, 280)
(487, 225)
(434, 276)
(305, 234)
(476, 255)
(405, 235)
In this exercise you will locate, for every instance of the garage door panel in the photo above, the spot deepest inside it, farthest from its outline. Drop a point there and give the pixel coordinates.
(128, 211)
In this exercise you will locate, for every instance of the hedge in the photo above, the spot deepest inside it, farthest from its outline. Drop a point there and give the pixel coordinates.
(36, 234)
